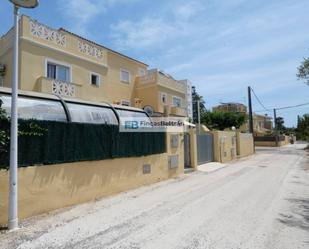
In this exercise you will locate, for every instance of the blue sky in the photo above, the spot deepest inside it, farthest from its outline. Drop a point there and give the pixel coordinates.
(222, 46)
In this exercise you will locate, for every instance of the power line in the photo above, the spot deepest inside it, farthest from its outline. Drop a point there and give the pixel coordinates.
(292, 106)
(278, 108)
(260, 102)
(286, 107)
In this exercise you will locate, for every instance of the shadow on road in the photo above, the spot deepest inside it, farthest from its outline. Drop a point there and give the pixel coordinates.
(300, 216)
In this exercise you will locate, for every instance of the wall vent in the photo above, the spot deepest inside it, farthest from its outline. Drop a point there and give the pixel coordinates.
(174, 141)
(173, 161)
(146, 169)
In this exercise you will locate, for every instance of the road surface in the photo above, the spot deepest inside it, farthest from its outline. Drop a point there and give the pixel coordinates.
(257, 202)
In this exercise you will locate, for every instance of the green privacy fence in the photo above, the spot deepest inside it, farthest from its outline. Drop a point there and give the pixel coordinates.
(57, 142)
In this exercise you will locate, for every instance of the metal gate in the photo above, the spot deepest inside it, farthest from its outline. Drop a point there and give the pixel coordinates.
(187, 158)
(204, 148)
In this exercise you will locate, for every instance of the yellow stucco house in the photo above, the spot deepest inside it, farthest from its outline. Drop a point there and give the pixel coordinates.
(63, 63)
(262, 124)
(231, 107)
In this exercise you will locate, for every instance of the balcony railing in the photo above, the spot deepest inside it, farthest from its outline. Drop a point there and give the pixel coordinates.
(157, 78)
(178, 111)
(58, 87)
(171, 83)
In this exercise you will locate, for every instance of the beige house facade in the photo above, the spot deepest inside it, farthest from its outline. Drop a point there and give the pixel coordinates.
(161, 94)
(262, 124)
(59, 62)
(231, 107)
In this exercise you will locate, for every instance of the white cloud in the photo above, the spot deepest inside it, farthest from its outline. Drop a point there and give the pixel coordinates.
(187, 10)
(171, 23)
(81, 12)
(144, 33)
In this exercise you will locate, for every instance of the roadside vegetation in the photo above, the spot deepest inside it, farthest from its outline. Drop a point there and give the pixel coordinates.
(302, 131)
(217, 120)
(303, 71)
(31, 129)
(4, 138)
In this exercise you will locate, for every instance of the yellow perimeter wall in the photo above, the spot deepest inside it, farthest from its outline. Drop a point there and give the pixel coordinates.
(224, 146)
(229, 145)
(46, 188)
(245, 144)
(273, 143)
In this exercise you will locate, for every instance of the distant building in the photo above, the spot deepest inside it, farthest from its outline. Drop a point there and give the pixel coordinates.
(262, 124)
(188, 98)
(161, 94)
(231, 107)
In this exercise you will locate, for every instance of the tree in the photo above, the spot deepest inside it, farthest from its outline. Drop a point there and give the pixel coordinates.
(196, 97)
(220, 120)
(32, 129)
(303, 71)
(280, 122)
(4, 137)
(302, 131)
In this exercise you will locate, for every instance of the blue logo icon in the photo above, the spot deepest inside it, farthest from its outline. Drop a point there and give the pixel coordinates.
(131, 125)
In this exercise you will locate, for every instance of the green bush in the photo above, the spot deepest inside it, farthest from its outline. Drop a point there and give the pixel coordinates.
(302, 131)
(220, 120)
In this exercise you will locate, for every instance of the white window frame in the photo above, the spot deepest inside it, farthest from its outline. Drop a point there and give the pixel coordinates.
(176, 97)
(59, 63)
(161, 98)
(99, 79)
(127, 71)
(125, 101)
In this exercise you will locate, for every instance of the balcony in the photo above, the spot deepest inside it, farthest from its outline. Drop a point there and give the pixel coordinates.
(58, 87)
(156, 77)
(178, 111)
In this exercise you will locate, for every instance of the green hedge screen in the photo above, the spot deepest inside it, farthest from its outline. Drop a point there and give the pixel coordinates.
(72, 142)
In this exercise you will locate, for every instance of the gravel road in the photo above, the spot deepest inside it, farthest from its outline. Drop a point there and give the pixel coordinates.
(257, 202)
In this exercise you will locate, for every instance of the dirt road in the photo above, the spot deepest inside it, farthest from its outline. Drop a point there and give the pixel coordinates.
(257, 202)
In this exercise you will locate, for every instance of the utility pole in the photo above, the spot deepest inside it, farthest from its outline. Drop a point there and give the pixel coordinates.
(275, 123)
(250, 111)
(275, 119)
(198, 115)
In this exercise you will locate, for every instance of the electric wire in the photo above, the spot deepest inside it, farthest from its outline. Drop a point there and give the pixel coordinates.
(292, 106)
(260, 102)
